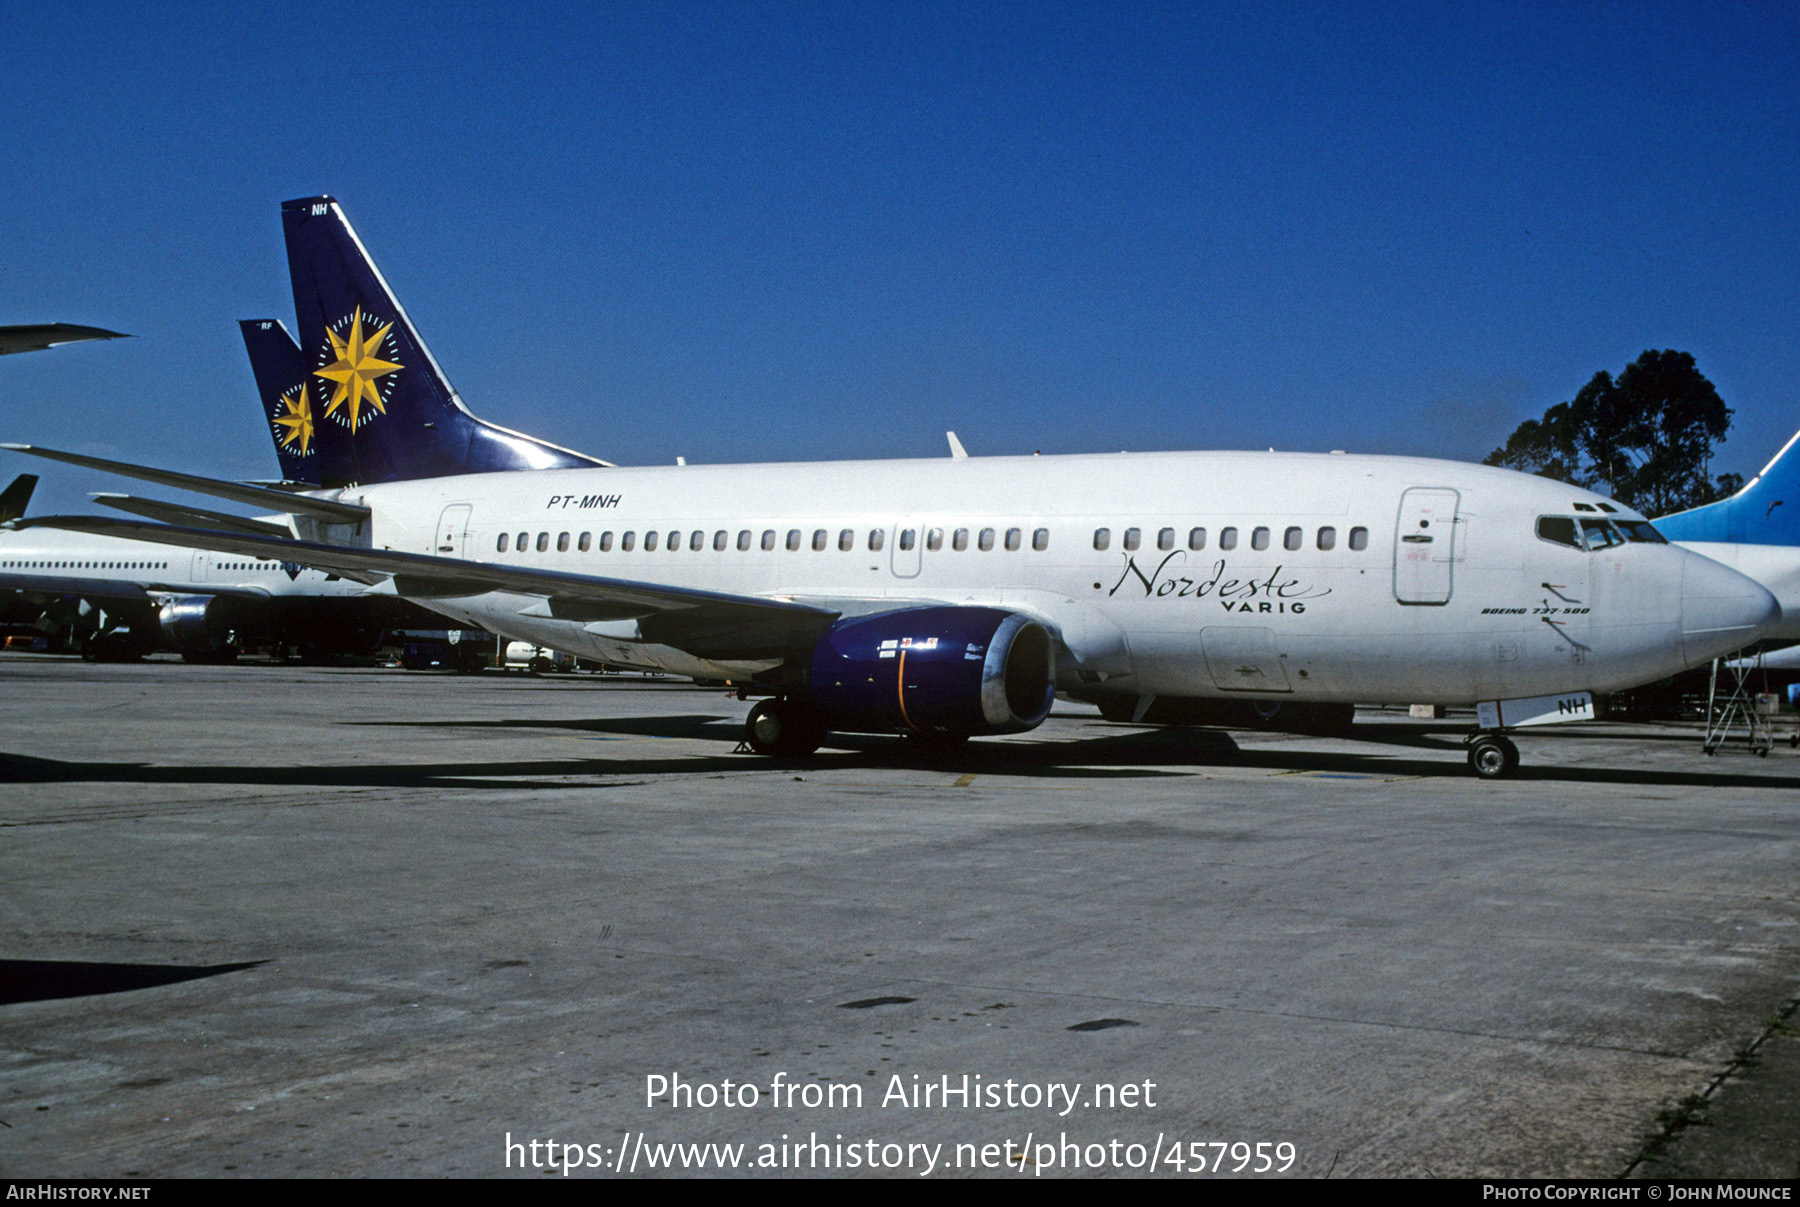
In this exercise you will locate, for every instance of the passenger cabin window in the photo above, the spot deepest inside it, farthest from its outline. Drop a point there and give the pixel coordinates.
(1228, 538)
(1327, 538)
(523, 543)
(606, 542)
(908, 538)
(584, 542)
(985, 540)
(650, 539)
(1165, 539)
(820, 539)
(1359, 539)
(793, 539)
(543, 542)
(674, 544)
(934, 539)
(1040, 540)
(1102, 537)
(744, 539)
(562, 542)
(697, 540)
(1133, 538)
(878, 538)
(846, 540)
(768, 539)
(721, 539)
(1293, 538)
(1259, 538)
(1014, 537)
(1196, 538)
(960, 540)
(628, 542)
(500, 546)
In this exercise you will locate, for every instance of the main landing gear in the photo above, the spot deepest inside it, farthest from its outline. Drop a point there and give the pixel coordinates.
(1492, 756)
(784, 729)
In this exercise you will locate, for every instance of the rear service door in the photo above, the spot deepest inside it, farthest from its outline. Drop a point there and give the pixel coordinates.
(1425, 546)
(453, 531)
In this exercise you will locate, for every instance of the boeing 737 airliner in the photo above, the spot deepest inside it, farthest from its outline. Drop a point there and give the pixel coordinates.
(955, 597)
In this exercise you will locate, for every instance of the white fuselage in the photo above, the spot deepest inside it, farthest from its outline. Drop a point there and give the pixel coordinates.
(1318, 577)
(80, 559)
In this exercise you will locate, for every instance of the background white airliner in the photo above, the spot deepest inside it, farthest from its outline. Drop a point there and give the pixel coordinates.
(956, 597)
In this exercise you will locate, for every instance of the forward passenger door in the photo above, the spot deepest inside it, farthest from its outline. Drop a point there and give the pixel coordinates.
(1425, 546)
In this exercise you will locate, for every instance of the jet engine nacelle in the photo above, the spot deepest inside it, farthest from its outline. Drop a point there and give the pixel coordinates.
(937, 669)
(198, 625)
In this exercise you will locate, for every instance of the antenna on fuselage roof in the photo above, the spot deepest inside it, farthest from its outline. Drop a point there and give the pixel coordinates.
(957, 451)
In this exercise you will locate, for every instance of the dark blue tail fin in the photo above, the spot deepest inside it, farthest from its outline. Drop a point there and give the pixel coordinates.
(383, 409)
(17, 497)
(1765, 512)
(290, 404)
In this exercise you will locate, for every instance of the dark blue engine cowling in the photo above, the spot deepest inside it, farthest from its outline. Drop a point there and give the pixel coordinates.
(943, 669)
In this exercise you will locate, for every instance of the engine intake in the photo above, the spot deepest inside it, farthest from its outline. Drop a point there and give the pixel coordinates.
(198, 624)
(935, 669)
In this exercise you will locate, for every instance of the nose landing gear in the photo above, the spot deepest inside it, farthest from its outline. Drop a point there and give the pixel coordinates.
(1492, 756)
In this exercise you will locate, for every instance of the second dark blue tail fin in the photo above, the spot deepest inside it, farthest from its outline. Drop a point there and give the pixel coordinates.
(383, 410)
(290, 404)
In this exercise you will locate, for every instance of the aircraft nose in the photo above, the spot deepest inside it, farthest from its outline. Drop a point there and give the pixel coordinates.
(1721, 610)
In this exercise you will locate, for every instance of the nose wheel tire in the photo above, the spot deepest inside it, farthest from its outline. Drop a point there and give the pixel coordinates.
(1493, 757)
(784, 729)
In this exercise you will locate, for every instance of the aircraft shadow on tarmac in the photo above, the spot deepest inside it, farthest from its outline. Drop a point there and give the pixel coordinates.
(1115, 751)
(47, 980)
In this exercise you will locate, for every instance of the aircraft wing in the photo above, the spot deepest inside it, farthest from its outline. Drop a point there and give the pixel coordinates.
(35, 337)
(328, 510)
(706, 623)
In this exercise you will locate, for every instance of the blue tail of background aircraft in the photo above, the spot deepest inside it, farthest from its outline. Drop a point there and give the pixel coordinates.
(1765, 512)
(381, 408)
(290, 403)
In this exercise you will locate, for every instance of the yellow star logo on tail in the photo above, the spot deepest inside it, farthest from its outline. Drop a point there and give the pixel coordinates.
(355, 372)
(294, 422)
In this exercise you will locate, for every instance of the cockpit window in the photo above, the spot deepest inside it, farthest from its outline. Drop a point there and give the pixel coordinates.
(1600, 534)
(1559, 530)
(1640, 530)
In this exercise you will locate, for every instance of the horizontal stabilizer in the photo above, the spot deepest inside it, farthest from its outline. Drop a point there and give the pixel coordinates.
(35, 337)
(254, 496)
(193, 517)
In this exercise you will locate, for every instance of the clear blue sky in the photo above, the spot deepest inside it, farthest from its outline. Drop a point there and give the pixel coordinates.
(776, 231)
